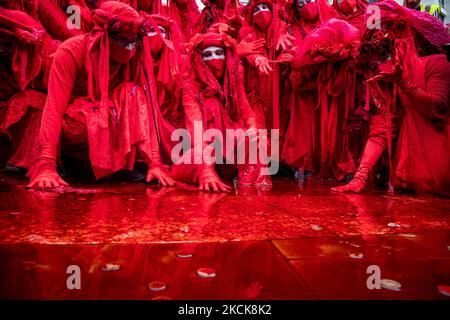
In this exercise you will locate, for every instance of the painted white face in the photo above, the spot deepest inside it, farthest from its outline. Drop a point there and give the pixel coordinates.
(302, 3)
(212, 53)
(153, 33)
(261, 7)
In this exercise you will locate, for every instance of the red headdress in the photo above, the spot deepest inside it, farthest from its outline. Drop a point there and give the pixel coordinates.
(409, 23)
(251, 6)
(111, 18)
(229, 93)
(325, 12)
(171, 53)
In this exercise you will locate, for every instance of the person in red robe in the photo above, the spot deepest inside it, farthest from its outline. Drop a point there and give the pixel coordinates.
(225, 11)
(304, 16)
(185, 13)
(165, 44)
(351, 11)
(148, 6)
(26, 56)
(94, 112)
(259, 79)
(54, 16)
(410, 97)
(213, 95)
(316, 141)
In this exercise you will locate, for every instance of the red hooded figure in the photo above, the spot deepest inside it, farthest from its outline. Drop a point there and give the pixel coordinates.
(54, 15)
(26, 56)
(261, 70)
(305, 15)
(351, 11)
(216, 11)
(323, 95)
(148, 6)
(409, 101)
(214, 98)
(165, 44)
(185, 13)
(92, 112)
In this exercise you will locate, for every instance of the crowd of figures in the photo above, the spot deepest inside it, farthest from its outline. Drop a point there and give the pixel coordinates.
(359, 93)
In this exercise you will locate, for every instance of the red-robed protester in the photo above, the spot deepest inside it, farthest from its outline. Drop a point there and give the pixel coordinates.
(306, 15)
(323, 96)
(351, 11)
(93, 112)
(260, 24)
(185, 13)
(165, 44)
(215, 11)
(54, 15)
(213, 95)
(26, 51)
(148, 6)
(415, 131)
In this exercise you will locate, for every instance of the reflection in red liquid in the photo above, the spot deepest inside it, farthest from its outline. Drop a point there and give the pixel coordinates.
(262, 243)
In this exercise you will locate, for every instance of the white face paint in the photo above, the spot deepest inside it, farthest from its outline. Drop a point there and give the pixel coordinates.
(153, 33)
(261, 7)
(212, 53)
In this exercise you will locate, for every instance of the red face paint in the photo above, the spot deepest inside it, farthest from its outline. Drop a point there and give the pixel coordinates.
(262, 19)
(347, 6)
(309, 11)
(121, 54)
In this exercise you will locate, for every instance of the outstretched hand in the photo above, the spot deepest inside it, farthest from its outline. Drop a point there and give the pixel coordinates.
(248, 47)
(263, 64)
(285, 40)
(47, 179)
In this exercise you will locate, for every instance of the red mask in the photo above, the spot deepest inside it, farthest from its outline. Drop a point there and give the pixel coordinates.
(121, 54)
(156, 45)
(347, 6)
(217, 67)
(214, 58)
(262, 19)
(309, 11)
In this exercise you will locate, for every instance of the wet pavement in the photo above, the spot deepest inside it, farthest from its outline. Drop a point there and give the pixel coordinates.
(293, 241)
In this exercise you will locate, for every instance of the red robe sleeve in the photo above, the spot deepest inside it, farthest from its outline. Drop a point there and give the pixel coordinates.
(66, 64)
(433, 100)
